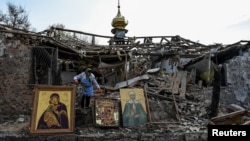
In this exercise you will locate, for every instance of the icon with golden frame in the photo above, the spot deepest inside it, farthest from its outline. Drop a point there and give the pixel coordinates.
(106, 112)
(53, 110)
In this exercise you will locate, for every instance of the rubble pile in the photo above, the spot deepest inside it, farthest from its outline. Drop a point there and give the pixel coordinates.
(177, 103)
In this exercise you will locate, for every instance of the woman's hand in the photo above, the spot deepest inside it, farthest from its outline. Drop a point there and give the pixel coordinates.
(99, 90)
(76, 81)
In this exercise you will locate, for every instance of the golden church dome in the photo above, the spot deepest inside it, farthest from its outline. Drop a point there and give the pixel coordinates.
(119, 21)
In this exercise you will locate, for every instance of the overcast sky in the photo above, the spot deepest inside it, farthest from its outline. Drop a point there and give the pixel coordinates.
(206, 21)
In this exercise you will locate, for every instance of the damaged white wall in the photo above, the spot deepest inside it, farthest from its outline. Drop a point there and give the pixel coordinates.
(238, 80)
(171, 66)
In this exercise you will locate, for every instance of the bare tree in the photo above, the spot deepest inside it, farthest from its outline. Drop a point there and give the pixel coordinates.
(2, 16)
(16, 17)
(58, 25)
(65, 35)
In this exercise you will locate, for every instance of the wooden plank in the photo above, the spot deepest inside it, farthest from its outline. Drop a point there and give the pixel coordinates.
(147, 103)
(171, 80)
(176, 108)
(229, 119)
(183, 83)
(176, 82)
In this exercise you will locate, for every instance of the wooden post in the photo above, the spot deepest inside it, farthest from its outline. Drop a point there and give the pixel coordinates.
(215, 95)
(100, 61)
(93, 40)
(147, 103)
(35, 72)
(126, 65)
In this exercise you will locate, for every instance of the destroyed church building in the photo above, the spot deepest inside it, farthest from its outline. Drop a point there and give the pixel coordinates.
(176, 74)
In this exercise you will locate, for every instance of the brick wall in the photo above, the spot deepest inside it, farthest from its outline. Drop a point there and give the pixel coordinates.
(16, 96)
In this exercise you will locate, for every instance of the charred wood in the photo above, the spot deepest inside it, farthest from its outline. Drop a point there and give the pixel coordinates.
(215, 95)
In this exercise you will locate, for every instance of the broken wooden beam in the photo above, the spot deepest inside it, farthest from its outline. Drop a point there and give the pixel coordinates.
(229, 119)
(130, 81)
(161, 96)
(235, 107)
(246, 123)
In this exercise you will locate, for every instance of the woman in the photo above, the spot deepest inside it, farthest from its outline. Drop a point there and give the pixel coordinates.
(87, 78)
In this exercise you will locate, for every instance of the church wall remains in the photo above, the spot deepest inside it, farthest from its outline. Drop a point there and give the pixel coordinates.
(15, 93)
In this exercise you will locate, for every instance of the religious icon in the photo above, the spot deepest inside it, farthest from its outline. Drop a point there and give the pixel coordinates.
(106, 112)
(134, 111)
(53, 110)
(55, 116)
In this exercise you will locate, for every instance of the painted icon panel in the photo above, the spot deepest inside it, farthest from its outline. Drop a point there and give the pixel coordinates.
(107, 112)
(134, 112)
